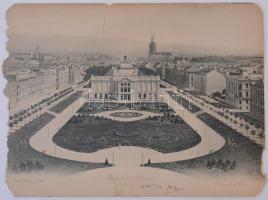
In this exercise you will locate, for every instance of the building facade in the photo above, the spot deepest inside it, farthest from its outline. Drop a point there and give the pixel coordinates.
(68, 75)
(23, 89)
(238, 92)
(257, 99)
(29, 85)
(124, 83)
(207, 82)
(177, 76)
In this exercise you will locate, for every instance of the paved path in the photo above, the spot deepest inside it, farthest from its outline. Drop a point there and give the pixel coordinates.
(211, 141)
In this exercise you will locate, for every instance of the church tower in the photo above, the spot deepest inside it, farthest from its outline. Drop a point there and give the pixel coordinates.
(152, 47)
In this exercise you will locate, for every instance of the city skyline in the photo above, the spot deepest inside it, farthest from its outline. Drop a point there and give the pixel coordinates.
(232, 29)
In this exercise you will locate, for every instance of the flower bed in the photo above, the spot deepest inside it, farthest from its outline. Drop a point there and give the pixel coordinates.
(126, 114)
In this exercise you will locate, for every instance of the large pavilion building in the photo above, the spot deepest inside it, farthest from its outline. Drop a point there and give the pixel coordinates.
(125, 83)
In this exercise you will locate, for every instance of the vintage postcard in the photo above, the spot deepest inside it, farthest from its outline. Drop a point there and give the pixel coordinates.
(135, 100)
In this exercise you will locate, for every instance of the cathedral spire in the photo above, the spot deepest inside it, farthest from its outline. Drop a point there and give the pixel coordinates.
(152, 47)
(152, 38)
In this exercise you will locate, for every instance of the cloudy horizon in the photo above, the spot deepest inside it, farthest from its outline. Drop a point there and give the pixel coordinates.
(184, 29)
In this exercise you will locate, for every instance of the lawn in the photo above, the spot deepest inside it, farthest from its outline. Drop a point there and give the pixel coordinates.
(61, 106)
(129, 114)
(167, 133)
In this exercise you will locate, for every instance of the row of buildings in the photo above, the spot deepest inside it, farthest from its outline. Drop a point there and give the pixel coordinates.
(28, 84)
(240, 86)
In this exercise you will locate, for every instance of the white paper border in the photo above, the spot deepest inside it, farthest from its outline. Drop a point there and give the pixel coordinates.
(5, 193)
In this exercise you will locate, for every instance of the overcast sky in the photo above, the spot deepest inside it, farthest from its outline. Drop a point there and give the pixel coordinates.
(227, 29)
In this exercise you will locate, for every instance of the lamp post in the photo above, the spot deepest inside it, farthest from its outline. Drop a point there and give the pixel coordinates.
(132, 97)
(175, 97)
(89, 94)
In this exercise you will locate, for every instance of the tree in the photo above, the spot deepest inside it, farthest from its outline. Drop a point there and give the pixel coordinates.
(257, 126)
(106, 162)
(227, 163)
(252, 132)
(219, 164)
(233, 165)
(261, 134)
(38, 166)
(29, 165)
(15, 122)
(20, 119)
(10, 124)
(224, 167)
(213, 162)
(209, 165)
(29, 115)
(22, 167)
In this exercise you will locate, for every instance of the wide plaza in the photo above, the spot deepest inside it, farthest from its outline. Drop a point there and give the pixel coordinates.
(162, 131)
(174, 138)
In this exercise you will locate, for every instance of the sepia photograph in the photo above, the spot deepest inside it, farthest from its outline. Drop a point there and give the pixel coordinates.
(135, 100)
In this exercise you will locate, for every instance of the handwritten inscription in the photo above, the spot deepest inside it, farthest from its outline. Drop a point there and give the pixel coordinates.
(230, 184)
(167, 188)
(29, 180)
(113, 177)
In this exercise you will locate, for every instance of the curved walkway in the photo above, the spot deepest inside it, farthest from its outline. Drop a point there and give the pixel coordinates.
(211, 141)
(108, 115)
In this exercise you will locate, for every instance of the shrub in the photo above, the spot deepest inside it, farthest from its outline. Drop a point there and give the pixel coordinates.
(22, 167)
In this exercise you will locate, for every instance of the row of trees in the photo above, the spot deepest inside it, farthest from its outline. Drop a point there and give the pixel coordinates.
(219, 164)
(34, 110)
(232, 119)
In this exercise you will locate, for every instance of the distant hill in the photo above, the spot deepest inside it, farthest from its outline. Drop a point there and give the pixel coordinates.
(113, 46)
